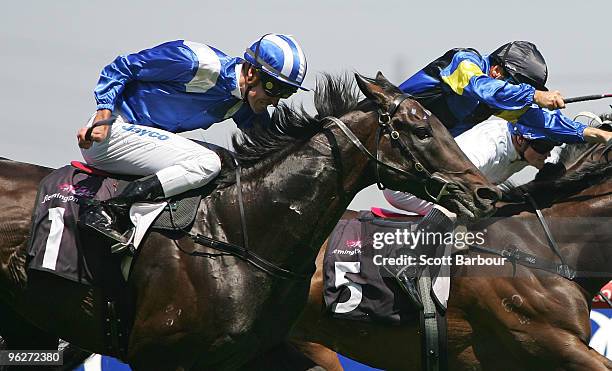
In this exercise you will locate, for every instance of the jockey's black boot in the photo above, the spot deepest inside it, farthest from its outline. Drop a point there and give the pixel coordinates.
(108, 217)
(436, 221)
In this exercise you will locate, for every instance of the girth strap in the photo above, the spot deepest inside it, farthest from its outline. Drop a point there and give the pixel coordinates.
(433, 330)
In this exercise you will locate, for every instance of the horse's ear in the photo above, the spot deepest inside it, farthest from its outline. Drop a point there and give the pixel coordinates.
(373, 90)
(381, 78)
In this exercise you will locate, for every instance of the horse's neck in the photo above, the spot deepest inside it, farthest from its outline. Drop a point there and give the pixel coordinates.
(296, 201)
(582, 229)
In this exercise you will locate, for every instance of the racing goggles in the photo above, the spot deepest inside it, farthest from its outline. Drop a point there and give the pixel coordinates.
(542, 146)
(275, 88)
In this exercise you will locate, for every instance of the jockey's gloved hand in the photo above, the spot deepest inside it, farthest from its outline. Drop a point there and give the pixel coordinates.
(514, 195)
(550, 171)
(451, 215)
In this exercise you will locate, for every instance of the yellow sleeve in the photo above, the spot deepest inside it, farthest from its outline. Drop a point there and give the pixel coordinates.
(512, 116)
(461, 76)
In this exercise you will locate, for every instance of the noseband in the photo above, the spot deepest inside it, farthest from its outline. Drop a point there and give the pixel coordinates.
(385, 126)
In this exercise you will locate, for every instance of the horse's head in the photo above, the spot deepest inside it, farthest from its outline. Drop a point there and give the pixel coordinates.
(421, 155)
(573, 157)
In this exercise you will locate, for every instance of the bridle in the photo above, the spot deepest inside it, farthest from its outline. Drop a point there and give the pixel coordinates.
(385, 127)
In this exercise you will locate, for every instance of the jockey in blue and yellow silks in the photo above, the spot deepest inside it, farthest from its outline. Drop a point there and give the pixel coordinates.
(463, 88)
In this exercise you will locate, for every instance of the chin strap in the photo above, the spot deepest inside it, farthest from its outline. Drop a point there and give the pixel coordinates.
(246, 94)
(520, 149)
(245, 69)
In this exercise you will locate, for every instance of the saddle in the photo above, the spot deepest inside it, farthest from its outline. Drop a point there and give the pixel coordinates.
(57, 245)
(356, 288)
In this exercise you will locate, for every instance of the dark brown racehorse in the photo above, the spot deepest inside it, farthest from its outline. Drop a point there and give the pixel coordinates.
(215, 312)
(537, 321)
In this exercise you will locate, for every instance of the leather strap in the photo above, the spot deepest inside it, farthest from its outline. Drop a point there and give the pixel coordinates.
(605, 298)
(353, 138)
(242, 252)
(433, 329)
(108, 122)
(531, 261)
(243, 224)
(551, 241)
(251, 257)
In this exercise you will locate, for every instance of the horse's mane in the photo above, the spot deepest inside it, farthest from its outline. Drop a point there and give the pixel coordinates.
(552, 183)
(570, 153)
(548, 191)
(289, 126)
(571, 183)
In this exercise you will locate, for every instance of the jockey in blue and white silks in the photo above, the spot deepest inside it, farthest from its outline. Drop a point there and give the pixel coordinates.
(181, 85)
(463, 88)
(174, 87)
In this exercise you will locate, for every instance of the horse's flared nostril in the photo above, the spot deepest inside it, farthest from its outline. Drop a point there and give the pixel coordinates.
(492, 194)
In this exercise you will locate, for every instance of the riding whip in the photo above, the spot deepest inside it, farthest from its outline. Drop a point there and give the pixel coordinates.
(583, 98)
(109, 121)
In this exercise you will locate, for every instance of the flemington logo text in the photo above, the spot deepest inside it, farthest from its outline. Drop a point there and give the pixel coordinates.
(61, 197)
(74, 193)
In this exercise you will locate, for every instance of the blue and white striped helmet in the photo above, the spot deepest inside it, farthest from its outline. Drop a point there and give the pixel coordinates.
(280, 56)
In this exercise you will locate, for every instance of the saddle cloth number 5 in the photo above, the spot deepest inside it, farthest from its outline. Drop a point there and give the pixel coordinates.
(356, 295)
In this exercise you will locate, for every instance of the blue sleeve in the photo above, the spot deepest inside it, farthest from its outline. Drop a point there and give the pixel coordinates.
(172, 61)
(466, 75)
(245, 118)
(500, 94)
(553, 124)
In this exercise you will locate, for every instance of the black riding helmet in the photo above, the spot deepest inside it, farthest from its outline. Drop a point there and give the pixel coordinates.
(523, 62)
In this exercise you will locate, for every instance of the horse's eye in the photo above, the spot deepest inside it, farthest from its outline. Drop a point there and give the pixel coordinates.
(422, 132)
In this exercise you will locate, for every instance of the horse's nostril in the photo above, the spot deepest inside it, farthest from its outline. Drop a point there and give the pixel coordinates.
(488, 193)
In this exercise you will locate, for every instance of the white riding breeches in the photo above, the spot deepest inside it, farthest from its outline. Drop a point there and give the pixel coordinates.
(179, 163)
(407, 201)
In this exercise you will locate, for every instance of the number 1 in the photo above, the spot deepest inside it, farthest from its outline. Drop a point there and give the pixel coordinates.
(56, 216)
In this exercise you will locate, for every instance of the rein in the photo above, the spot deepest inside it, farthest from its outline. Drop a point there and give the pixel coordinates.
(385, 126)
(243, 252)
(551, 241)
(516, 256)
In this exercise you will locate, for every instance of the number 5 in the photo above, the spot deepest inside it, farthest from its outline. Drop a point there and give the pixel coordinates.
(341, 268)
